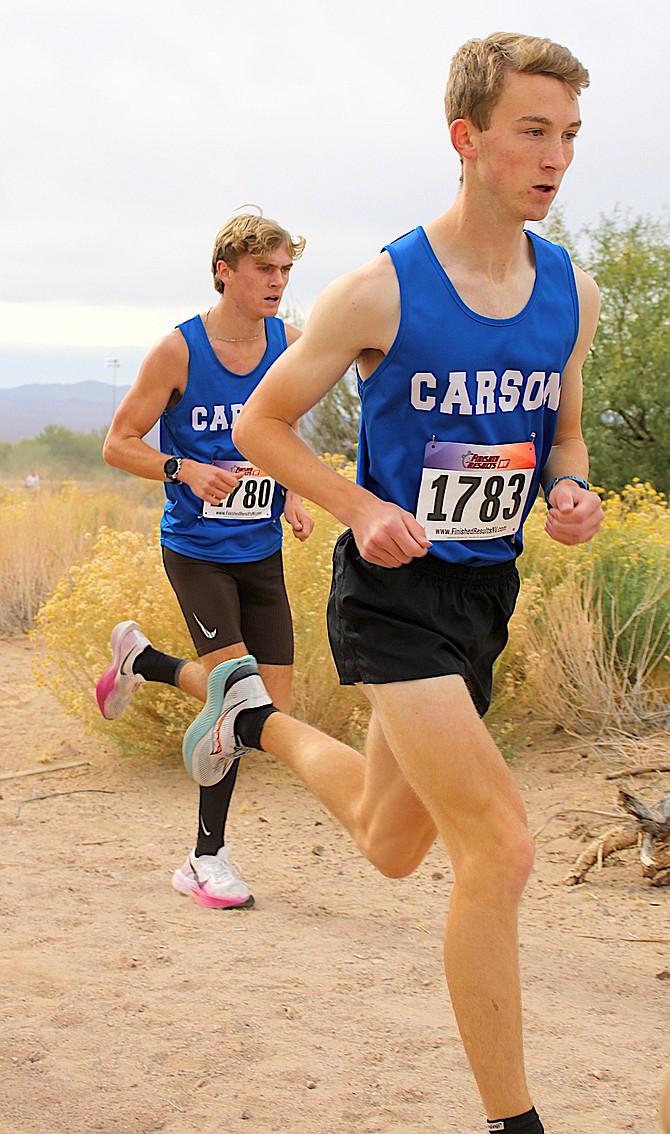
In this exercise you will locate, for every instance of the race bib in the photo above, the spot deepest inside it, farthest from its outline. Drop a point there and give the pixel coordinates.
(251, 499)
(469, 492)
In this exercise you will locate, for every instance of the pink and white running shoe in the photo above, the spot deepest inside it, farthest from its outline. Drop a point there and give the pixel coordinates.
(117, 685)
(213, 881)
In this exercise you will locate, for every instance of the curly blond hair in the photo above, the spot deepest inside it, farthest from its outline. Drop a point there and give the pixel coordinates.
(255, 234)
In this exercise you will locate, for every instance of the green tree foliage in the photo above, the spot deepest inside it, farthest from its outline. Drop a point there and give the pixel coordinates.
(332, 426)
(70, 454)
(626, 415)
(56, 453)
(627, 377)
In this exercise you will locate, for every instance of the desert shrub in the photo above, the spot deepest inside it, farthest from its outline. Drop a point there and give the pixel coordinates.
(122, 577)
(588, 645)
(42, 533)
(589, 640)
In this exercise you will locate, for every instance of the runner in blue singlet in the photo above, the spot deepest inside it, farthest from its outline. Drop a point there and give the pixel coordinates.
(470, 335)
(221, 530)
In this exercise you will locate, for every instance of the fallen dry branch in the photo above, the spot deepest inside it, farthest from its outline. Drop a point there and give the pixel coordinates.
(650, 831)
(655, 825)
(638, 770)
(598, 850)
(55, 794)
(561, 814)
(45, 768)
(625, 940)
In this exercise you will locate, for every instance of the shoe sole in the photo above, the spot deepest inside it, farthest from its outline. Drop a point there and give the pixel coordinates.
(221, 903)
(191, 890)
(217, 686)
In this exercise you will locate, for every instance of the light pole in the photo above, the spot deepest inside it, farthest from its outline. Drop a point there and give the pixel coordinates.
(114, 363)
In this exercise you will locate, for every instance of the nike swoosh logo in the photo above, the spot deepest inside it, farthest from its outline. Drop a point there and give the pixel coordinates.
(121, 667)
(208, 833)
(206, 632)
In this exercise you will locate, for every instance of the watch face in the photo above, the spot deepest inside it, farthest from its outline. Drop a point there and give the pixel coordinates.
(171, 467)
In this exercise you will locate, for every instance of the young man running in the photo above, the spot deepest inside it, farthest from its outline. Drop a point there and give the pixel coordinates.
(221, 530)
(470, 335)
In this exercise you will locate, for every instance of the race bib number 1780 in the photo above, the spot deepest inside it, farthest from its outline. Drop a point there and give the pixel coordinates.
(474, 493)
(251, 499)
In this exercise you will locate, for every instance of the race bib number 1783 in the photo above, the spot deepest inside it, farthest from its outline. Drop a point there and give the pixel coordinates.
(474, 493)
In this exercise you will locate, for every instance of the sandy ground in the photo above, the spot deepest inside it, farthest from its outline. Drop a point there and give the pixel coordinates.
(128, 1009)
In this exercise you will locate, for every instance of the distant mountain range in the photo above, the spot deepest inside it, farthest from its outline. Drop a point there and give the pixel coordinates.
(79, 406)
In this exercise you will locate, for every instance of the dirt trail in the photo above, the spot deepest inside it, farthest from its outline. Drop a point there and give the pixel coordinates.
(127, 1009)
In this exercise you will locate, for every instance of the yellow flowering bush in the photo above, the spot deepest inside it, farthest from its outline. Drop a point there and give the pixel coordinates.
(589, 642)
(43, 532)
(122, 577)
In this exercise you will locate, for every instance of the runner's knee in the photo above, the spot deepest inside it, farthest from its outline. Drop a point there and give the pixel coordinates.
(500, 865)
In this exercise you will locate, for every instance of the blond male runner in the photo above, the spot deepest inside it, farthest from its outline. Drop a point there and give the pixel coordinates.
(470, 335)
(221, 530)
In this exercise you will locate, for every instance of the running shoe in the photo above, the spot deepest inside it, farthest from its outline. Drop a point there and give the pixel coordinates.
(210, 745)
(213, 881)
(117, 685)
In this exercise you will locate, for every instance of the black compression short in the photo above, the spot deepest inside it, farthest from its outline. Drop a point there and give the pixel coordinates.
(224, 603)
(425, 619)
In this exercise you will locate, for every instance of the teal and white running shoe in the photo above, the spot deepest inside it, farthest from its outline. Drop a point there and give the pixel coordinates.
(210, 745)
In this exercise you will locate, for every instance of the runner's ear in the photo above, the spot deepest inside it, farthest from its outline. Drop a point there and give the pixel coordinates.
(464, 137)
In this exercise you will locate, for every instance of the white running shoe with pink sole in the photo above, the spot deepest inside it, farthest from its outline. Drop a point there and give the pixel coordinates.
(213, 881)
(118, 684)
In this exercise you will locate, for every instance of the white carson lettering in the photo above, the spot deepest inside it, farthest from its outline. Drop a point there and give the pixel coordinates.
(215, 418)
(485, 392)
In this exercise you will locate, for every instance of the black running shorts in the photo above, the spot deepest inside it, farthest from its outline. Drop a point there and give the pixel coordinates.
(426, 619)
(224, 603)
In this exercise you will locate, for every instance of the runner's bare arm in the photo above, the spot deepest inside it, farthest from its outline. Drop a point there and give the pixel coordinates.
(161, 380)
(356, 314)
(575, 515)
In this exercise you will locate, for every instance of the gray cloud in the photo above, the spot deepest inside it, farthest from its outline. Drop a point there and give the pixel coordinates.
(135, 130)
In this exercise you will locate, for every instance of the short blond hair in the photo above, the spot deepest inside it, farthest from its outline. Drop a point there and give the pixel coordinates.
(479, 69)
(255, 234)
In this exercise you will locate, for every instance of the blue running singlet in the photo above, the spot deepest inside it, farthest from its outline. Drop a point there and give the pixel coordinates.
(458, 420)
(247, 527)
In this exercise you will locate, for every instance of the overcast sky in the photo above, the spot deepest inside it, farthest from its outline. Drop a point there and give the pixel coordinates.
(131, 131)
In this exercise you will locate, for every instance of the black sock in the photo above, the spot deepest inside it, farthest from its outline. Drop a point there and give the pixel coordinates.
(527, 1123)
(249, 725)
(213, 812)
(152, 665)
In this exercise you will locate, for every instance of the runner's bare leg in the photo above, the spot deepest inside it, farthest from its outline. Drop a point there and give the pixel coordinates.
(432, 764)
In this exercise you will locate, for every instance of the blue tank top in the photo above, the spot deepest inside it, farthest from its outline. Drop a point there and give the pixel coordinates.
(458, 420)
(199, 426)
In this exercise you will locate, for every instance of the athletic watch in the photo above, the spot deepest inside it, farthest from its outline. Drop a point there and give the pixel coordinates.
(171, 469)
(552, 484)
